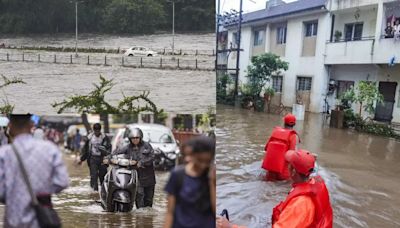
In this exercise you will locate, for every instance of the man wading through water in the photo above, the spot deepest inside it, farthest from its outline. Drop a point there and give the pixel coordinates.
(45, 170)
(96, 147)
(143, 153)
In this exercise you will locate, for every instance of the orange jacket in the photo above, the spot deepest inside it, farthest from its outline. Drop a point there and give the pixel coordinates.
(298, 213)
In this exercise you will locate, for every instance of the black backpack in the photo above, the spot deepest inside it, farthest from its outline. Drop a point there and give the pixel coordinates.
(203, 202)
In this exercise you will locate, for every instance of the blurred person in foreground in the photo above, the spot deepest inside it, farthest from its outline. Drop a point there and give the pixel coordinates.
(191, 188)
(307, 204)
(45, 168)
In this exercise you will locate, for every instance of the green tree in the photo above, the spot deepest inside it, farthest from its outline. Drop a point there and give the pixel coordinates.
(367, 95)
(260, 72)
(7, 108)
(95, 102)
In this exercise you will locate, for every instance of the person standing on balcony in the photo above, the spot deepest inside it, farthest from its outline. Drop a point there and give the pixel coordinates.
(397, 30)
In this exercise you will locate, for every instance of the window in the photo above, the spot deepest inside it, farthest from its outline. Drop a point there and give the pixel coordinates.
(311, 28)
(353, 31)
(343, 86)
(277, 83)
(281, 35)
(303, 84)
(234, 39)
(258, 37)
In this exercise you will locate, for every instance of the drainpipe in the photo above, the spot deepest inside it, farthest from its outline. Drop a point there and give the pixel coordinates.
(332, 26)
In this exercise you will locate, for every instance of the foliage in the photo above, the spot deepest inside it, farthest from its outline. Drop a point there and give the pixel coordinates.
(95, 102)
(223, 95)
(261, 69)
(368, 94)
(104, 16)
(269, 91)
(259, 73)
(7, 108)
(125, 118)
(337, 35)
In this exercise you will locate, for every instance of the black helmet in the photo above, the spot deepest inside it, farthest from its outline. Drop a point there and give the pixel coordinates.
(135, 132)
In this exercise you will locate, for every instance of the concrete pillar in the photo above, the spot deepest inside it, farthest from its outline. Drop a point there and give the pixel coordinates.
(169, 121)
(193, 121)
(268, 38)
(379, 20)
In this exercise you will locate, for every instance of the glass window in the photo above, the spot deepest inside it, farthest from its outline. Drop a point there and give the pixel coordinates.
(277, 83)
(303, 83)
(258, 37)
(311, 28)
(353, 31)
(281, 35)
(157, 136)
(343, 86)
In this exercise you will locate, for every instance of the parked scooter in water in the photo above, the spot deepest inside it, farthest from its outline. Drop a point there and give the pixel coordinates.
(165, 160)
(118, 191)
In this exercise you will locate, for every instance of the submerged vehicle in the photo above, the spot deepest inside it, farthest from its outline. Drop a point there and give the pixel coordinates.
(118, 191)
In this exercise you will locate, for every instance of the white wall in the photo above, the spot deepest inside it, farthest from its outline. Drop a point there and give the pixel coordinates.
(367, 16)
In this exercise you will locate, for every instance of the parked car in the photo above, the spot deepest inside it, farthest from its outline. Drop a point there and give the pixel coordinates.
(140, 51)
(162, 140)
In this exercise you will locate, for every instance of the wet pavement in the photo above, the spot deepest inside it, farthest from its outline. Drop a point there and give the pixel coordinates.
(361, 171)
(77, 207)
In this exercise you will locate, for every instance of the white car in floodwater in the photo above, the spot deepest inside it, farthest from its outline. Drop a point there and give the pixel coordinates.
(140, 51)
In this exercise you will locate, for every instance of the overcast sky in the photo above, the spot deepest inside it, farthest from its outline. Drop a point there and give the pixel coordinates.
(248, 5)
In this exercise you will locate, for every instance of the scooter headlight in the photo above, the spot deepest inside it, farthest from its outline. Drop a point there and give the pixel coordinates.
(123, 162)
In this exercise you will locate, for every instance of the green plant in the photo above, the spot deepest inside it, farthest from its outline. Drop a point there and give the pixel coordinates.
(8, 108)
(367, 95)
(224, 96)
(337, 35)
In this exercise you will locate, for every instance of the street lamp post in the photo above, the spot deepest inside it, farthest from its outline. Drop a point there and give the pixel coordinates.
(76, 28)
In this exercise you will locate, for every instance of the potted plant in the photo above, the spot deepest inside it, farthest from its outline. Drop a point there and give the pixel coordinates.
(269, 92)
(338, 35)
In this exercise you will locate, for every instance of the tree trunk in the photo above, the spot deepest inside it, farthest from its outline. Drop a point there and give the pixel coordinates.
(85, 122)
(104, 118)
(360, 109)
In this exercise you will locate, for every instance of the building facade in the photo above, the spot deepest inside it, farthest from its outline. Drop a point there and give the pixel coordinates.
(306, 33)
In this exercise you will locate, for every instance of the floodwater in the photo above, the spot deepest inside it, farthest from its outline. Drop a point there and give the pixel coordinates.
(361, 171)
(175, 91)
(159, 41)
(77, 207)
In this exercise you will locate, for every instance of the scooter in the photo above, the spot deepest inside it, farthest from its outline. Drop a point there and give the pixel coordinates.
(164, 160)
(118, 191)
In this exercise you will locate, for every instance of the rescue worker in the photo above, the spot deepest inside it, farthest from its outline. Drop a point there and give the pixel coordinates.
(143, 153)
(95, 149)
(307, 204)
(281, 140)
(45, 169)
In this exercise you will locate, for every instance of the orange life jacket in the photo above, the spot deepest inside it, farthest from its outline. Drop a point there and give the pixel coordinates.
(276, 148)
(316, 189)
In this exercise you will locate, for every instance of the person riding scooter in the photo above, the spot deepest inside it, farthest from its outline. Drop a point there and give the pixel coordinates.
(307, 204)
(143, 153)
(281, 140)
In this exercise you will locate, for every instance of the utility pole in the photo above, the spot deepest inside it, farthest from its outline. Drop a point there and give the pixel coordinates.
(173, 27)
(217, 33)
(239, 34)
(76, 28)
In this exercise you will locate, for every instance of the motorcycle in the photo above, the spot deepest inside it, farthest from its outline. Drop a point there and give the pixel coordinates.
(118, 191)
(165, 160)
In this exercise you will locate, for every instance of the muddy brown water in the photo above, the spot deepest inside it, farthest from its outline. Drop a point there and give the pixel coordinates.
(77, 207)
(361, 171)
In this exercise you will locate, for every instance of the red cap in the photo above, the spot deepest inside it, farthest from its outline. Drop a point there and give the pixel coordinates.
(301, 160)
(290, 119)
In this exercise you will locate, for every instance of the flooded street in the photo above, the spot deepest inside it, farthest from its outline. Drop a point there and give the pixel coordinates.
(77, 207)
(361, 171)
(177, 91)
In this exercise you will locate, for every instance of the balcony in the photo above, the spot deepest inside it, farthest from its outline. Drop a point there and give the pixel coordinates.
(364, 51)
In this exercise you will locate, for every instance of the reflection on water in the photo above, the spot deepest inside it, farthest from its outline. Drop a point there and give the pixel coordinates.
(361, 171)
